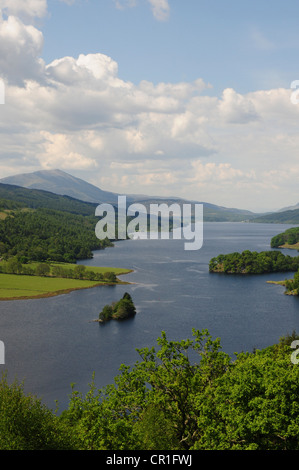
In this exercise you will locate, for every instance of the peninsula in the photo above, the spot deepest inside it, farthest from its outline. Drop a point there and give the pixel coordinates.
(39, 280)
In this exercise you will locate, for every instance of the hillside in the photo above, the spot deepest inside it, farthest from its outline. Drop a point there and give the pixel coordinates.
(15, 197)
(61, 183)
(285, 217)
(38, 226)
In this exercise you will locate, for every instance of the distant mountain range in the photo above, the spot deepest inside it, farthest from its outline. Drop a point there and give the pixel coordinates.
(61, 183)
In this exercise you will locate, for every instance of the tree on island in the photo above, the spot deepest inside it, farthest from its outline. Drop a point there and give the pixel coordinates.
(120, 310)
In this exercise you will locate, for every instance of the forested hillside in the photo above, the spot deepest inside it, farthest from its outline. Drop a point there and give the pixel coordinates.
(15, 197)
(285, 217)
(46, 234)
(39, 226)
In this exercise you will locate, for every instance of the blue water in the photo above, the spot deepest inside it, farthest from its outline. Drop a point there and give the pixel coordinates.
(51, 343)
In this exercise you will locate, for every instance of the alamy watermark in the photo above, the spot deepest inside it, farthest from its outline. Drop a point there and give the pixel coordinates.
(2, 353)
(184, 221)
(2, 92)
(294, 358)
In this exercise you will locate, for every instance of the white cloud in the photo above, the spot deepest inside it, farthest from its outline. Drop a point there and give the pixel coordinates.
(236, 108)
(60, 151)
(20, 49)
(24, 8)
(170, 138)
(160, 8)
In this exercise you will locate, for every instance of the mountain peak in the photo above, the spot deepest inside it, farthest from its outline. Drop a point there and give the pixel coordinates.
(62, 183)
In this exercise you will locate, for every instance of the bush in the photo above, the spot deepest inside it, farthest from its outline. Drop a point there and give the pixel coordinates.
(26, 424)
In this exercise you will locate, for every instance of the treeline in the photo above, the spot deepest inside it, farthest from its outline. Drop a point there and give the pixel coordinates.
(46, 234)
(292, 285)
(289, 237)
(253, 262)
(14, 266)
(168, 401)
(120, 310)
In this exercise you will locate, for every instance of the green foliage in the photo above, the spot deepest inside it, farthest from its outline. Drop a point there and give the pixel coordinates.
(46, 234)
(254, 262)
(26, 424)
(290, 237)
(15, 197)
(183, 395)
(168, 402)
(292, 285)
(120, 310)
(285, 217)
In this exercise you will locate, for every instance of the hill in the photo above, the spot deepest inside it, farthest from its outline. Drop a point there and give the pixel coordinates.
(16, 197)
(61, 183)
(39, 226)
(285, 217)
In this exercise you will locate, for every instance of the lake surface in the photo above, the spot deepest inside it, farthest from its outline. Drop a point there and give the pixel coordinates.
(51, 343)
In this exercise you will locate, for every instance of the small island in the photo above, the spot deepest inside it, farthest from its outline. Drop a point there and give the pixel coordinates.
(253, 262)
(288, 239)
(120, 310)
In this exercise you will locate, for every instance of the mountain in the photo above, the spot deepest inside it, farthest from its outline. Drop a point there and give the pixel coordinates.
(61, 183)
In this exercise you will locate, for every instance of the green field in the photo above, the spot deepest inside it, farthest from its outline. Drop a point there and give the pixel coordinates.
(16, 286)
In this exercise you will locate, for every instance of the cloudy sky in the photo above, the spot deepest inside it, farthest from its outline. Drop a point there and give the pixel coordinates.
(189, 98)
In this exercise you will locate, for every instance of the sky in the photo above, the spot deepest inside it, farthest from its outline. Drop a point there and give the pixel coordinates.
(189, 98)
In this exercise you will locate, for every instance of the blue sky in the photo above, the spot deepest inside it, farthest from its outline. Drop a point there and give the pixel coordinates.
(244, 45)
(164, 97)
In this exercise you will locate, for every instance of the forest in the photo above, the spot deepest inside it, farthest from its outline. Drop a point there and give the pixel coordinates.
(47, 234)
(289, 237)
(253, 262)
(181, 395)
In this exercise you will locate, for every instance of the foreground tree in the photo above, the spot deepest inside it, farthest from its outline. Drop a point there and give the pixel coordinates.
(26, 424)
(168, 402)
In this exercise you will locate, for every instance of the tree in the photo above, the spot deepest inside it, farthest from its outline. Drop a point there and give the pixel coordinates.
(13, 266)
(79, 271)
(27, 424)
(110, 276)
(106, 313)
(162, 388)
(120, 310)
(42, 269)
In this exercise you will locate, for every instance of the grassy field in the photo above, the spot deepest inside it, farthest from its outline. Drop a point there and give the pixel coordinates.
(18, 286)
(292, 247)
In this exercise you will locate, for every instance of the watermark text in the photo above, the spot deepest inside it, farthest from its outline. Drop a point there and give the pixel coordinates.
(2, 353)
(161, 221)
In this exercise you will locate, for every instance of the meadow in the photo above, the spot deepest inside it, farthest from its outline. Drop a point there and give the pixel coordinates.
(20, 286)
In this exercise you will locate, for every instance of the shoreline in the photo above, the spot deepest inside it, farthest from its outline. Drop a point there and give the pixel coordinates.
(67, 290)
